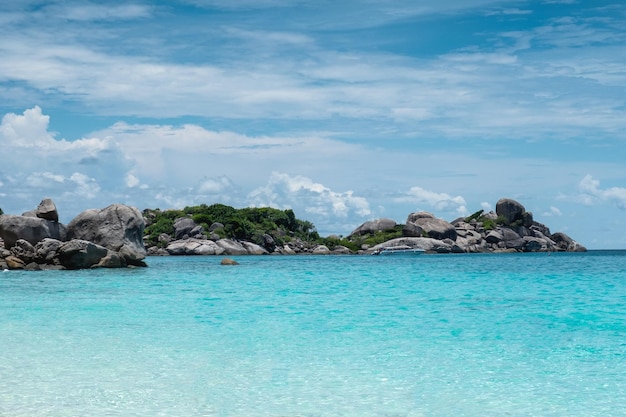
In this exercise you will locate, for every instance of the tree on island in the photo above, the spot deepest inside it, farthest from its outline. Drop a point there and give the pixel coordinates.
(251, 224)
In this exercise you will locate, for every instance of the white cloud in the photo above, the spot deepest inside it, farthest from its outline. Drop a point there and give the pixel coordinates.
(438, 201)
(96, 12)
(553, 211)
(486, 206)
(285, 191)
(591, 193)
(217, 185)
(85, 186)
(132, 181)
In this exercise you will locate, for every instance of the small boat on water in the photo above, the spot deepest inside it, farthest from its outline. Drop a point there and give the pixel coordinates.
(398, 250)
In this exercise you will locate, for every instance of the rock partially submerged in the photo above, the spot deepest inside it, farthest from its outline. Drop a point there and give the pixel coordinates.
(510, 229)
(110, 238)
(116, 227)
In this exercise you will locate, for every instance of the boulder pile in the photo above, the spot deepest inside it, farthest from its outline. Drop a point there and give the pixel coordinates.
(111, 238)
(510, 229)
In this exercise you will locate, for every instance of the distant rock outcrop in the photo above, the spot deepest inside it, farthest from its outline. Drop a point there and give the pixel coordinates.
(430, 225)
(110, 238)
(116, 227)
(510, 228)
(31, 229)
(373, 226)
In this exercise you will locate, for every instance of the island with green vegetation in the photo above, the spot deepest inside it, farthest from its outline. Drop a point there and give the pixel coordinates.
(122, 236)
(221, 229)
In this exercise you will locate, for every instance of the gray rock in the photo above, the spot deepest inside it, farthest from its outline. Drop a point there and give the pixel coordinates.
(215, 226)
(194, 247)
(566, 243)
(164, 238)
(31, 229)
(413, 217)
(254, 249)
(81, 254)
(511, 239)
(183, 226)
(321, 250)
(23, 250)
(287, 250)
(47, 210)
(47, 250)
(373, 226)
(232, 247)
(412, 230)
(494, 236)
(433, 227)
(426, 243)
(117, 227)
(527, 218)
(196, 231)
(533, 244)
(341, 250)
(269, 243)
(112, 260)
(14, 262)
(510, 209)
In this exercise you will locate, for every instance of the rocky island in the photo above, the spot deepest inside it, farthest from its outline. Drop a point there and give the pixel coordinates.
(118, 235)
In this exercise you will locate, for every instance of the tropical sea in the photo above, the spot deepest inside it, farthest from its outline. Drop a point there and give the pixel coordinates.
(311, 336)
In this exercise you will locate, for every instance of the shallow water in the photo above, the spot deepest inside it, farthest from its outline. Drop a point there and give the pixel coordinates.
(432, 335)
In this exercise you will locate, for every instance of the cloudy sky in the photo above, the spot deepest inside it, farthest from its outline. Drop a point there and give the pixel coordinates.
(343, 111)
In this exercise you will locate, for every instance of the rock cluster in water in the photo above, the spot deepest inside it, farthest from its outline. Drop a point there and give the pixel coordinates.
(110, 238)
(509, 229)
(113, 237)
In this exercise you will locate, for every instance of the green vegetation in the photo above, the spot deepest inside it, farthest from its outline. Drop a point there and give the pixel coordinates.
(250, 224)
(1, 212)
(476, 216)
(356, 242)
(490, 224)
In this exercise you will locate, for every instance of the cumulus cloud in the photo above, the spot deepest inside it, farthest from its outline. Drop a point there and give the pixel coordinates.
(591, 193)
(217, 185)
(437, 201)
(285, 191)
(42, 165)
(553, 211)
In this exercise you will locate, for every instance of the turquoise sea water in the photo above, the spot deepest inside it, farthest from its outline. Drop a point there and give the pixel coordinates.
(433, 335)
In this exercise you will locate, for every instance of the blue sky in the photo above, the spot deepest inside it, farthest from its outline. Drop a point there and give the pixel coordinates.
(343, 111)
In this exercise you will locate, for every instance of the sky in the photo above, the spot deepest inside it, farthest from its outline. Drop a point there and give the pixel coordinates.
(342, 111)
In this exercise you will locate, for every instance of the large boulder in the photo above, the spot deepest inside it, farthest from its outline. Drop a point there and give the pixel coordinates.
(194, 247)
(23, 250)
(510, 210)
(47, 210)
(31, 229)
(117, 227)
(511, 239)
(321, 250)
(433, 227)
(81, 254)
(254, 249)
(412, 230)
(232, 247)
(183, 227)
(566, 243)
(373, 226)
(426, 243)
(47, 250)
(13, 262)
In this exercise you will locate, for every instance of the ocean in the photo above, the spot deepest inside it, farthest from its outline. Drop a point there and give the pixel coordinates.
(319, 336)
